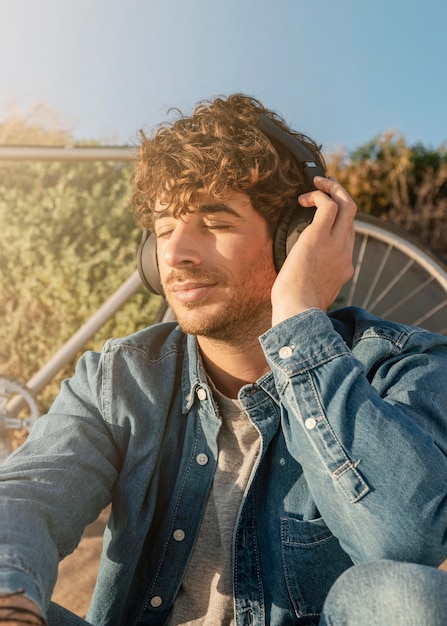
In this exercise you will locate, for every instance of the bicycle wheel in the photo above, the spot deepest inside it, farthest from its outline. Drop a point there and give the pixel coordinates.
(396, 277)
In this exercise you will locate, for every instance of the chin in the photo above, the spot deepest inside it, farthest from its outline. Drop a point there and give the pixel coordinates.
(196, 324)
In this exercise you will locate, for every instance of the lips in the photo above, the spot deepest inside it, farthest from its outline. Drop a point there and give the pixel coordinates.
(191, 291)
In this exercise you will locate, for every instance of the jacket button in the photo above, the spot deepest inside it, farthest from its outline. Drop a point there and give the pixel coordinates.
(179, 534)
(310, 423)
(202, 458)
(156, 601)
(285, 352)
(201, 393)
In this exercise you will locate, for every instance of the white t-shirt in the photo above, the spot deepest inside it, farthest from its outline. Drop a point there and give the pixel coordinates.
(205, 597)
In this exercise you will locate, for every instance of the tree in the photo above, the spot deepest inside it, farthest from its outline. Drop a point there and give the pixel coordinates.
(402, 184)
(67, 242)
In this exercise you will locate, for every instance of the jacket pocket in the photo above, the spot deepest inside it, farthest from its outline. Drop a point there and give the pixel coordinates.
(312, 561)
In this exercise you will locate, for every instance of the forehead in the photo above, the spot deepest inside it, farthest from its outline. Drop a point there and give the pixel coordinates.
(236, 203)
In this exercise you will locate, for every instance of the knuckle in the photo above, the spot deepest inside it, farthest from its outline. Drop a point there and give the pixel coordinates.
(351, 208)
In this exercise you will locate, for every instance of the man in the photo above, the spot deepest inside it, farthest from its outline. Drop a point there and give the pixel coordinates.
(259, 454)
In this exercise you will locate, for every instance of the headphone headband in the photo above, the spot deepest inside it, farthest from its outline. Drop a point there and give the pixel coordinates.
(301, 153)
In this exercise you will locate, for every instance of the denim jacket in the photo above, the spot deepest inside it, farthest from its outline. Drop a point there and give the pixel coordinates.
(353, 421)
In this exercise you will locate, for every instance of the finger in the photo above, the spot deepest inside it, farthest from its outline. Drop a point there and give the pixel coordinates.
(347, 208)
(333, 188)
(327, 207)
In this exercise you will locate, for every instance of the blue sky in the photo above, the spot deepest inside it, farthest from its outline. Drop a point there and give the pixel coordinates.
(342, 71)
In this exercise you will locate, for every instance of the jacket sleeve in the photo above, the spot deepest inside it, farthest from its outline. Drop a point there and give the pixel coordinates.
(54, 485)
(368, 424)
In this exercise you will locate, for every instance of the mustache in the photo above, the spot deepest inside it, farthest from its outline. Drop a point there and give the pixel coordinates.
(192, 274)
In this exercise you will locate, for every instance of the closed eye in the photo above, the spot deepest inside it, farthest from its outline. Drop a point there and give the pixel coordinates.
(218, 226)
(161, 233)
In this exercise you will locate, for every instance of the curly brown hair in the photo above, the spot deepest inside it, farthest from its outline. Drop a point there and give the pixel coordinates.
(219, 148)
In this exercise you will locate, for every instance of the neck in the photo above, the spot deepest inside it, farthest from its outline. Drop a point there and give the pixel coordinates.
(231, 366)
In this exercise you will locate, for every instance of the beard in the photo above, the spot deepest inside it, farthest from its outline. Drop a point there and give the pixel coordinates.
(244, 312)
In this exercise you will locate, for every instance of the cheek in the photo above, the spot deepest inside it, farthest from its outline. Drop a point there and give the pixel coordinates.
(258, 247)
(258, 267)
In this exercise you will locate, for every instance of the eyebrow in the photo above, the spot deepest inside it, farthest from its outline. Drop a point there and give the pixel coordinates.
(215, 207)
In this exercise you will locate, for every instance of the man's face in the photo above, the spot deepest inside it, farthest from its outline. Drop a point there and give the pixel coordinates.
(216, 267)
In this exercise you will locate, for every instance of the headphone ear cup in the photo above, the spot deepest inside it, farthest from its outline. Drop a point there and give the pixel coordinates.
(290, 226)
(280, 239)
(147, 263)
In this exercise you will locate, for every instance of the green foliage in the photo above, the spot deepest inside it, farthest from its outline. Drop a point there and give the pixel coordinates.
(67, 242)
(402, 184)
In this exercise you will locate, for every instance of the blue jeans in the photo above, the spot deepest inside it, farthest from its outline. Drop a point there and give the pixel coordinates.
(387, 592)
(370, 594)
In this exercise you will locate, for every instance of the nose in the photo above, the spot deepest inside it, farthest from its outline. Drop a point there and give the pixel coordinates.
(181, 249)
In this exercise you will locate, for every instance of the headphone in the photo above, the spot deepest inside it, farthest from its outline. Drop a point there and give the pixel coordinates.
(292, 222)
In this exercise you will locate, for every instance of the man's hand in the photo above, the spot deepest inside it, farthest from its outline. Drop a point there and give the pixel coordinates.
(16, 610)
(320, 262)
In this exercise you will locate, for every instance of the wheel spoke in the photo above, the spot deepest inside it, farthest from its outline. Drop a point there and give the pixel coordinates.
(358, 268)
(430, 313)
(376, 278)
(396, 277)
(392, 284)
(409, 296)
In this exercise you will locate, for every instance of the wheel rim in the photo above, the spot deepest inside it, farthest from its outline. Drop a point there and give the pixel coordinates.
(396, 277)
